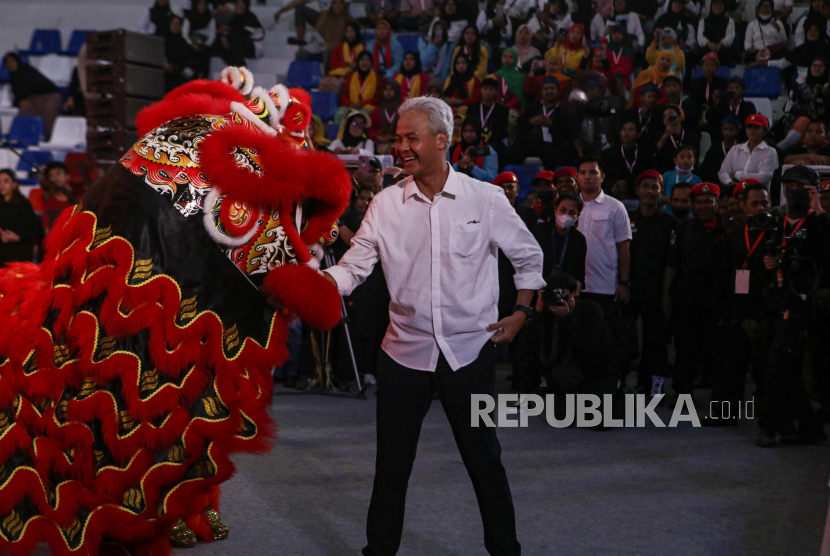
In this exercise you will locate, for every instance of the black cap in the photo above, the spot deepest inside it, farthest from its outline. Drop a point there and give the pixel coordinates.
(801, 174)
(490, 82)
(375, 163)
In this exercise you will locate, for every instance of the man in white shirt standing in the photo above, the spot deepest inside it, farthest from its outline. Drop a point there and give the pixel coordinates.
(604, 223)
(437, 235)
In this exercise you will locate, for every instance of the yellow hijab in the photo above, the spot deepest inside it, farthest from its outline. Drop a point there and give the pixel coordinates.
(364, 92)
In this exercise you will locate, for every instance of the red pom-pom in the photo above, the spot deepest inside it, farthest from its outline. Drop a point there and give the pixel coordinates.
(237, 217)
(306, 293)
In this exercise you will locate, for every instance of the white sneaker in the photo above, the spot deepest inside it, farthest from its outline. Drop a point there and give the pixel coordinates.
(521, 402)
(369, 379)
(544, 383)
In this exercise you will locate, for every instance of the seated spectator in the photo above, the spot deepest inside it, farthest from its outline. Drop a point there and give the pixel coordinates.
(381, 10)
(673, 136)
(598, 62)
(385, 117)
(156, 20)
(456, 19)
(645, 10)
(730, 127)
(33, 94)
(546, 195)
(715, 34)
(180, 56)
(766, 37)
(582, 13)
(462, 87)
(523, 46)
(546, 23)
(620, 55)
(666, 40)
(20, 230)
(435, 87)
(494, 25)
(387, 53)
(56, 195)
(344, 58)
(539, 69)
(476, 53)
(436, 54)
(731, 102)
(361, 89)
(304, 15)
(626, 160)
(678, 20)
(199, 30)
(317, 132)
(564, 180)
(601, 26)
(816, 15)
(483, 168)
(814, 149)
(349, 223)
(456, 128)
(535, 127)
(673, 90)
(684, 165)
(680, 201)
(647, 115)
(352, 137)
(412, 78)
(569, 49)
(331, 28)
(492, 117)
(563, 246)
(802, 56)
(753, 159)
(243, 31)
(510, 82)
(652, 76)
(701, 89)
(783, 10)
(415, 14)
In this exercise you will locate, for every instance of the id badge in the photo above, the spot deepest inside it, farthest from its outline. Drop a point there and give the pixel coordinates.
(742, 281)
(546, 136)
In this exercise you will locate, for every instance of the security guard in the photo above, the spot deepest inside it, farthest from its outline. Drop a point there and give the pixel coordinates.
(688, 288)
(739, 308)
(652, 231)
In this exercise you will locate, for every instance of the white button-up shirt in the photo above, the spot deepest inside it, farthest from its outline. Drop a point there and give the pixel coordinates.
(760, 164)
(440, 262)
(604, 223)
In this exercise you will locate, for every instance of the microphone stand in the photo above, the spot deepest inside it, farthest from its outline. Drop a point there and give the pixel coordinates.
(40, 173)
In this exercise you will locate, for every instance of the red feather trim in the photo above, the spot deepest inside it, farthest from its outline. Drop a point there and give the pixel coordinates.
(189, 104)
(305, 293)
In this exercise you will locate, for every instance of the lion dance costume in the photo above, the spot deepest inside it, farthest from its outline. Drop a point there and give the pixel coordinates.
(136, 358)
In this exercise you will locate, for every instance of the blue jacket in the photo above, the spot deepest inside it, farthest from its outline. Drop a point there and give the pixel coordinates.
(397, 56)
(488, 172)
(436, 59)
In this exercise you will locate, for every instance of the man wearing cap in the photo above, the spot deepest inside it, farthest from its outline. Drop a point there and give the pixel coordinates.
(729, 102)
(791, 301)
(492, 117)
(509, 182)
(537, 132)
(651, 234)
(753, 159)
(565, 180)
(740, 308)
(688, 288)
(702, 89)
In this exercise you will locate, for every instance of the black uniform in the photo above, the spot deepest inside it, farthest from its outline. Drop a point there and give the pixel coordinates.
(651, 239)
(716, 114)
(626, 164)
(708, 170)
(691, 116)
(494, 129)
(701, 94)
(664, 160)
(531, 139)
(650, 125)
(695, 254)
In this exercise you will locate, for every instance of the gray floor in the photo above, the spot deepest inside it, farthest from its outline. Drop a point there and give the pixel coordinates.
(577, 492)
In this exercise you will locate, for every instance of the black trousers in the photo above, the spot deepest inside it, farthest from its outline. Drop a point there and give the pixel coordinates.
(654, 358)
(696, 344)
(748, 342)
(404, 397)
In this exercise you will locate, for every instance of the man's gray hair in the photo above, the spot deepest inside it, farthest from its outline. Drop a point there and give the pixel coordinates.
(438, 111)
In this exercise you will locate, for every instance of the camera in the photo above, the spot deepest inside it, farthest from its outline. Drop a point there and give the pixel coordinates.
(478, 152)
(766, 220)
(553, 297)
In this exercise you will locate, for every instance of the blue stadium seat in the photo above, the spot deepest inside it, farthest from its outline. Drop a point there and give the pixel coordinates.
(368, 35)
(723, 71)
(525, 174)
(76, 41)
(45, 41)
(762, 82)
(324, 104)
(305, 74)
(331, 132)
(33, 158)
(4, 73)
(26, 130)
(409, 41)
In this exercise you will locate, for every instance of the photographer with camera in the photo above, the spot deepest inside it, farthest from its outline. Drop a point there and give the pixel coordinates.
(471, 156)
(739, 301)
(689, 281)
(795, 257)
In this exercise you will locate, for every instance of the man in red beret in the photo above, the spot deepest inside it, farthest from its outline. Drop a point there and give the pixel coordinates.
(651, 230)
(509, 182)
(565, 180)
(692, 269)
(543, 184)
(734, 205)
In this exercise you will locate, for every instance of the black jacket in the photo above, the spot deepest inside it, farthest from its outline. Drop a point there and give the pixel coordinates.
(574, 259)
(696, 255)
(20, 218)
(709, 168)
(716, 114)
(651, 239)
(616, 167)
(496, 128)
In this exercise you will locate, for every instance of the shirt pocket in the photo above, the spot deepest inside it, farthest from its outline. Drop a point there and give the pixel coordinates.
(465, 239)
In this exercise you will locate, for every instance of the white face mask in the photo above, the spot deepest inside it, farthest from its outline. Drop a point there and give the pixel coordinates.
(565, 221)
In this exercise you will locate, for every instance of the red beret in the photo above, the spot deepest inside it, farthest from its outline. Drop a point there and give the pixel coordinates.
(711, 56)
(824, 185)
(757, 119)
(564, 171)
(739, 189)
(704, 189)
(505, 177)
(653, 174)
(545, 175)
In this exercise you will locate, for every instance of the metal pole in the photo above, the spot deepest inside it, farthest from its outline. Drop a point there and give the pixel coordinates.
(330, 263)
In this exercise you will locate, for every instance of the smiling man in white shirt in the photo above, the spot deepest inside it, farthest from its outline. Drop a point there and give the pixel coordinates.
(437, 235)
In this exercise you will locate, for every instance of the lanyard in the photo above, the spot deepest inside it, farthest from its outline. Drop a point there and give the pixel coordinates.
(682, 135)
(723, 147)
(546, 112)
(386, 113)
(640, 115)
(795, 230)
(504, 88)
(409, 81)
(751, 250)
(616, 57)
(483, 119)
(737, 108)
(564, 246)
(630, 166)
(707, 92)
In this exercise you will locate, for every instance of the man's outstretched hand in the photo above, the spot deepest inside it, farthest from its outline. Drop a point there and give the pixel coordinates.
(507, 328)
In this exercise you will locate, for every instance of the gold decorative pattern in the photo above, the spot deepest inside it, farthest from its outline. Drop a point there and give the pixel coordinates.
(88, 387)
(231, 338)
(125, 421)
(182, 536)
(101, 236)
(219, 529)
(60, 411)
(106, 347)
(142, 269)
(149, 382)
(72, 531)
(188, 309)
(62, 355)
(133, 499)
(175, 454)
(13, 524)
(214, 407)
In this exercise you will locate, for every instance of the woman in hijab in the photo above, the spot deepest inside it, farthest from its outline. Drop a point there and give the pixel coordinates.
(156, 20)
(546, 22)
(620, 55)
(475, 51)
(665, 40)
(766, 37)
(653, 75)
(412, 79)
(452, 14)
(344, 57)
(244, 29)
(361, 90)
(511, 91)
(34, 94)
(462, 87)
(20, 228)
(352, 137)
(570, 49)
(436, 52)
(716, 33)
(598, 62)
(484, 168)
(385, 117)
(801, 56)
(815, 15)
(317, 133)
(522, 46)
(677, 20)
